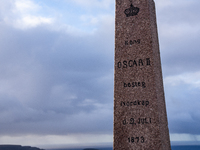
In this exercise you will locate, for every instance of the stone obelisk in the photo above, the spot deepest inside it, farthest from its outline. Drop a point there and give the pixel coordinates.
(140, 119)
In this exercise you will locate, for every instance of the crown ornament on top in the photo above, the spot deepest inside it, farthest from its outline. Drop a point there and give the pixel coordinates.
(132, 11)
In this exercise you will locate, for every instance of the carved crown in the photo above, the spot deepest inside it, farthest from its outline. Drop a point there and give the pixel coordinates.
(132, 11)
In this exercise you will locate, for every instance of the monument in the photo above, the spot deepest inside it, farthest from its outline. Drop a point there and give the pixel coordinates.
(140, 119)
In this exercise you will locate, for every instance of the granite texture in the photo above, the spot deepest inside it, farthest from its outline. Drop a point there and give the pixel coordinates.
(140, 119)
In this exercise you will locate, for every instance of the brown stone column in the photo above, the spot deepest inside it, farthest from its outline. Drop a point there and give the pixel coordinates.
(140, 119)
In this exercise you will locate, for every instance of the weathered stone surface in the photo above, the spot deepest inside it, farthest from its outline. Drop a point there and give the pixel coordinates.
(140, 120)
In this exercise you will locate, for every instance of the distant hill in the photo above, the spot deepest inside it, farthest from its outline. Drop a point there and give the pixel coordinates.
(90, 149)
(18, 147)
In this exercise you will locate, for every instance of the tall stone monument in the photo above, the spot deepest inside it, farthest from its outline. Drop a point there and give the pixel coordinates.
(140, 119)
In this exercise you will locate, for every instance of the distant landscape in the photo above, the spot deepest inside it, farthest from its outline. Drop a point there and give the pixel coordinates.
(18, 147)
(107, 148)
(185, 147)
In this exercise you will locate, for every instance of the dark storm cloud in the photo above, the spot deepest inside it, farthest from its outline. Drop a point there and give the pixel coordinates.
(179, 33)
(183, 108)
(53, 80)
(57, 81)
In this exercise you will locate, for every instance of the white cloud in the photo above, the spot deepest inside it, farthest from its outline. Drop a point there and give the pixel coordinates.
(161, 4)
(184, 137)
(57, 141)
(28, 21)
(105, 4)
(192, 79)
(25, 6)
(89, 19)
(181, 30)
(58, 74)
(24, 14)
(166, 4)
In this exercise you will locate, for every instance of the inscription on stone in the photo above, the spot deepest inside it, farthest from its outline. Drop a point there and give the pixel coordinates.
(135, 84)
(140, 120)
(132, 42)
(132, 11)
(133, 121)
(135, 103)
(133, 63)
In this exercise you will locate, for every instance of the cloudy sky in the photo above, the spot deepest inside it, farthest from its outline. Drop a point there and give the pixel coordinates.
(57, 70)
